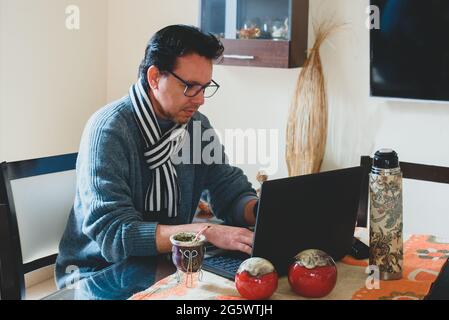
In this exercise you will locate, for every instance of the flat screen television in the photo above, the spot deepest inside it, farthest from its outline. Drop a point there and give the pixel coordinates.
(410, 50)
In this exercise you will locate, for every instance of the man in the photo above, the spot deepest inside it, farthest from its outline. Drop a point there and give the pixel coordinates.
(130, 195)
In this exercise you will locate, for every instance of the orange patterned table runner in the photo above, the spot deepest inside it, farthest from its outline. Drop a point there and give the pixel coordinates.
(424, 257)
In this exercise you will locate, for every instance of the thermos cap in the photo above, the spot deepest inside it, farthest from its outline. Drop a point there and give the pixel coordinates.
(386, 159)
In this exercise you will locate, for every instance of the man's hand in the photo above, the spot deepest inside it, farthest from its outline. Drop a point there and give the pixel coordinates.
(230, 238)
(224, 237)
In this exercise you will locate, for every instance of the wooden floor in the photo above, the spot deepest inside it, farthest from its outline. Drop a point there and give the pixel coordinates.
(40, 283)
(40, 290)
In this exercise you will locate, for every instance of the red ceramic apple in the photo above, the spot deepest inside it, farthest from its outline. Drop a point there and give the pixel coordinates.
(256, 279)
(313, 274)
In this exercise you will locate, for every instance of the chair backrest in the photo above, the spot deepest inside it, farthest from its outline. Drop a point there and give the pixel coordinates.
(36, 197)
(409, 170)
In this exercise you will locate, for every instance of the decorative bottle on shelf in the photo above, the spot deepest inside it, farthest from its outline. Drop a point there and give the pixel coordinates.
(386, 241)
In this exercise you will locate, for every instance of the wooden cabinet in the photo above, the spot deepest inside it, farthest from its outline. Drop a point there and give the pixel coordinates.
(260, 33)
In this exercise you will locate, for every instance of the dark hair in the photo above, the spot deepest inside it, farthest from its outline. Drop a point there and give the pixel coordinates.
(176, 41)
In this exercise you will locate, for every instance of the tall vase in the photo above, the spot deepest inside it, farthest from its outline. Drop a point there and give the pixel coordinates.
(307, 121)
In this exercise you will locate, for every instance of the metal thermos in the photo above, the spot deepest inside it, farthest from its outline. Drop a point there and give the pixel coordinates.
(386, 240)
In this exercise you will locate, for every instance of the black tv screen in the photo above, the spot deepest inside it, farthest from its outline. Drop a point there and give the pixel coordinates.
(410, 50)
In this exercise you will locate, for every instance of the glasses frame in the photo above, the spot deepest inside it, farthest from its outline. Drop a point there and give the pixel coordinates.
(212, 83)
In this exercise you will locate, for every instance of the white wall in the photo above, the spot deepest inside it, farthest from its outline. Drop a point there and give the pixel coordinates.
(131, 25)
(51, 79)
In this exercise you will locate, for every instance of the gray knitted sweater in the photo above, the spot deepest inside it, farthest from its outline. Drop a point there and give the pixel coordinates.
(107, 223)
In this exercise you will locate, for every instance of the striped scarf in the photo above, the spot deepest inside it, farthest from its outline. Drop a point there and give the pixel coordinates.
(163, 192)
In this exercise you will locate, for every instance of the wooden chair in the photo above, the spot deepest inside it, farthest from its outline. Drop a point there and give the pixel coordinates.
(35, 201)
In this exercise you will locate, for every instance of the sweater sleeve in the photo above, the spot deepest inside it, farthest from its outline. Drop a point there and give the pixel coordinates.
(110, 218)
(228, 186)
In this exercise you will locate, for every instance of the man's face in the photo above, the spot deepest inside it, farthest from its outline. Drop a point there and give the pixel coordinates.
(171, 103)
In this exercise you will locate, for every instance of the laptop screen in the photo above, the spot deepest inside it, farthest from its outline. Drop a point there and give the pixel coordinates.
(315, 211)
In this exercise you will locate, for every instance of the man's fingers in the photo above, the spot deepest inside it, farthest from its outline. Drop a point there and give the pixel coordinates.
(244, 248)
(233, 238)
(247, 233)
(245, 239)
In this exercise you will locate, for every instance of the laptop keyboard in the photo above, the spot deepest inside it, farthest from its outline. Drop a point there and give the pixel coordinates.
(224, 266)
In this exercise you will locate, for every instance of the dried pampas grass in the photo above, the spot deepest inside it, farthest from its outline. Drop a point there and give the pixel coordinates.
(307, 122)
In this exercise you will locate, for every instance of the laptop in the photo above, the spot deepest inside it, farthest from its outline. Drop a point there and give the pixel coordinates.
(316, 211)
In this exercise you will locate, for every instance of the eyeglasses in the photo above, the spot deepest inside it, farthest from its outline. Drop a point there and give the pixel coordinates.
(191, 90)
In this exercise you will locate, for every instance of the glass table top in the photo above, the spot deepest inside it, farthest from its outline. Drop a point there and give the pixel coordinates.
(119, 281)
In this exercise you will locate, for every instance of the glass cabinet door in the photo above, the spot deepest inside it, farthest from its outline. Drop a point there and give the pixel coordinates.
(213, 17)
(247, 19)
